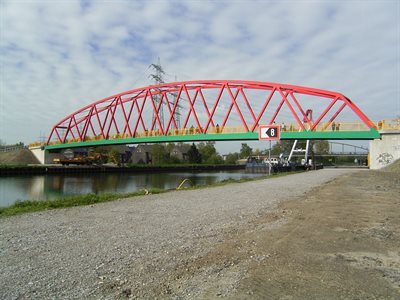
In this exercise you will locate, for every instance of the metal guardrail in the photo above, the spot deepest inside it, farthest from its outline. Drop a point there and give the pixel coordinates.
(11, 148)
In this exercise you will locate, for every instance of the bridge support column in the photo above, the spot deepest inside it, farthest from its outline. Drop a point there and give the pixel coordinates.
(384, 151)
(43, 156)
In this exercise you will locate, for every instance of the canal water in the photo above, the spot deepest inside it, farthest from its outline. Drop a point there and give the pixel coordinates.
(48, 187)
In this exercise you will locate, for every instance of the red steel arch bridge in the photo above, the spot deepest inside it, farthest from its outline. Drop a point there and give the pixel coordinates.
(214, 110)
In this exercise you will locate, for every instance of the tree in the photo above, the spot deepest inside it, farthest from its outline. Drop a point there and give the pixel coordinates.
(245, 151)
(277, 149)
(257, 152)
(159, 154)
(169, 147)
(194, 155)
(231, 158)
(215, 159)
(209, 154)
(169, 157)
(174, 160)
(114, 157)
(285, 146)
(321, 147)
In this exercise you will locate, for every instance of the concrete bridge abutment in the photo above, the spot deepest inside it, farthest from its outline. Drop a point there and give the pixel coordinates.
(43, 156)
(385, 150)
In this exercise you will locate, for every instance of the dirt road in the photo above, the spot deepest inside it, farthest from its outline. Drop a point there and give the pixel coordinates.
(328, 234)
(342, 241)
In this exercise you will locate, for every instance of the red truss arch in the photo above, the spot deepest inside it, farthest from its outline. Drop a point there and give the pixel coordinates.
(202, 105)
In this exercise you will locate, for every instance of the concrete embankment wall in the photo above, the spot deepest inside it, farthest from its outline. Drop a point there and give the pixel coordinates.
(385, 151)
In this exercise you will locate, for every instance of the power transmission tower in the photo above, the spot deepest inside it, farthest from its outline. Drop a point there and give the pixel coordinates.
(159, 79)
(177, 113)
(42, 138)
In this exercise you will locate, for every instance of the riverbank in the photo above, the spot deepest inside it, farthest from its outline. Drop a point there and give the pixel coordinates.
(28, 206)
(327, 234)
(6, 170)
(215, 242)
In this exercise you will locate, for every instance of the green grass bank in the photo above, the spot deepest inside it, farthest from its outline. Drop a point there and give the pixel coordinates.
(21, 207)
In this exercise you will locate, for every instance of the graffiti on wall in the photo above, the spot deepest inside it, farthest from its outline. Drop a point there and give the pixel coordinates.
(385, 158)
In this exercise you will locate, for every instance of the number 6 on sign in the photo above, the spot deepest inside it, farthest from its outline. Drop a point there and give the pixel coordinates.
(269, 132)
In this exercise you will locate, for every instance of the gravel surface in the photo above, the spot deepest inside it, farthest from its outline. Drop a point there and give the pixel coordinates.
(133, 247)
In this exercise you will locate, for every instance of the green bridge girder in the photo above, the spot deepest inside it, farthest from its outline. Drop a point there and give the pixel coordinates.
(244, 136)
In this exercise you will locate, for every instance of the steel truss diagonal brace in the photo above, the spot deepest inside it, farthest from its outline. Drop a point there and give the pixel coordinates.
(128, 109)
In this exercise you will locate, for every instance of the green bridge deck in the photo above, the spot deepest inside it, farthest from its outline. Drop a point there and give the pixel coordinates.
(244, 136)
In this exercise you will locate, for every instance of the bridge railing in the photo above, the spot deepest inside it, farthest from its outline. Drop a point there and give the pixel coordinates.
(155, 133)
(36, 144)
(342, 126)
(390, 124)
(290, 127)
(192, 130)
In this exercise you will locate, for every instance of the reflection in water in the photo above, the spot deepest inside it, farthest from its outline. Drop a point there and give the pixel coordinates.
(45, 187)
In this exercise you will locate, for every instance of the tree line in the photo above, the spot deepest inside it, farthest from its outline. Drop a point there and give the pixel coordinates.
(206, 153)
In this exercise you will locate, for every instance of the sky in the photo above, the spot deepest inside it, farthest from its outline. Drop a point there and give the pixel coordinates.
(58, 56)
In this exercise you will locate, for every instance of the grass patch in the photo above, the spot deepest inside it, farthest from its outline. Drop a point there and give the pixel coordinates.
(21, 207)
(27, 206)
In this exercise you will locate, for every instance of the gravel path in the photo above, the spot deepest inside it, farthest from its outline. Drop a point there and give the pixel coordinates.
(133, 246)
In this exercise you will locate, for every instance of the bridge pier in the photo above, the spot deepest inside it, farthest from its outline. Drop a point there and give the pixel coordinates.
(43, 156)
(385, 150)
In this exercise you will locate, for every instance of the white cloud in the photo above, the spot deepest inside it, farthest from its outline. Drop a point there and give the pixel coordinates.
(57, 56)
